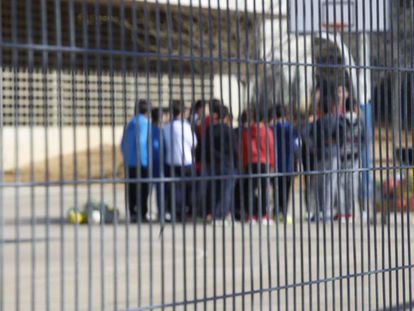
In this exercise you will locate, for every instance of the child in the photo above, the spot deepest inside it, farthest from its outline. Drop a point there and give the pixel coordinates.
(157, 117)
(200, 121)
(179, 142)
(287, 145)
(134, 148)
(352, 133)
(239, 186)
(200, 113)
(308, 161)
(220, 160)
(321, 139)
(258, 158)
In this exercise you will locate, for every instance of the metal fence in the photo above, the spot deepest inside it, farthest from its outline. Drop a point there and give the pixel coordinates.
(179, 154)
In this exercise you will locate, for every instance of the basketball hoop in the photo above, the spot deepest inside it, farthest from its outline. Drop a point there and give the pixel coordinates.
(310, 16)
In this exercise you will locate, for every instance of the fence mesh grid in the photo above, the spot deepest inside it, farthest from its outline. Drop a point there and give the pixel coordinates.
(214, 155)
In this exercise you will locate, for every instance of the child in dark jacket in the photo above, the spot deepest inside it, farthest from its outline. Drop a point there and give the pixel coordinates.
(321, 137)
(239, 187)
(258, 158)
(158, 118)
(220, 160)
(286, 145)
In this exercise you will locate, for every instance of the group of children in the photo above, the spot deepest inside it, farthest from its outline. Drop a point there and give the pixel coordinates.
(332, 144)
(201, 166)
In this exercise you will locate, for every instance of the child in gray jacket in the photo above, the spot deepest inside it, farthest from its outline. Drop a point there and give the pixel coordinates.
(353, 136)
(322, 138)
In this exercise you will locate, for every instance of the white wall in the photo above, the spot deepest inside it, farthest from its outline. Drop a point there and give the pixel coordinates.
(231, 92)
(19, 143)
(241, 6)
(279, 47)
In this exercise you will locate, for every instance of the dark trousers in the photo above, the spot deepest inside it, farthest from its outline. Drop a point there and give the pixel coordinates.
(283, 184)
(221, 194)
(138, 190)
(252, 192)
(239, 199)
(179, 198)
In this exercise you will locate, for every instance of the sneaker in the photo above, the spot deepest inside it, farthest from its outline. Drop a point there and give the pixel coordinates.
(251, 219)
(133, 219)
(167, 217)
(325, 219)
(220, 223)
(314, 218)
(266, 221)
(344, 218)
(364, 217)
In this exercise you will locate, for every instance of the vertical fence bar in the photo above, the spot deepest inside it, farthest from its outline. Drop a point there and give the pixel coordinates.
(396, 132)
(363, 146)
(30, 57)
(15, 73)
(397, 154)
(404, 115)
(73, 73)
(45, 63)
(128, 177)
(409, 214)
(195, 189)
(114, 140)
(121, 41)
(162, 186)
(86, 86)
(59, 123)
(300, 128)
(374, 144)
(390, 118)
(2, 201)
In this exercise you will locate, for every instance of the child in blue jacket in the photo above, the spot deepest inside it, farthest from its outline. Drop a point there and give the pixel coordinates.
(134, 148)
(287, 145)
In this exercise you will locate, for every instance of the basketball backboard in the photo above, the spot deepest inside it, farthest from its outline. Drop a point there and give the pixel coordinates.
(307, 16)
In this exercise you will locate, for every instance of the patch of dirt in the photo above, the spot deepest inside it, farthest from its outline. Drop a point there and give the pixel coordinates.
(99, 167)
(88, 165)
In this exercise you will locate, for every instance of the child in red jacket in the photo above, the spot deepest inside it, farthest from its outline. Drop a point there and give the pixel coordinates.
(258, 158)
